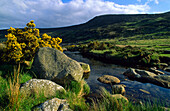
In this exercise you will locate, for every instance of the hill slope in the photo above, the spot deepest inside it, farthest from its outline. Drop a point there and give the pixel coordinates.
(135, 26)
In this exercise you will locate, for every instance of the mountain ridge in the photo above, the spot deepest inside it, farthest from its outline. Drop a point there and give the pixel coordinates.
(114, 26)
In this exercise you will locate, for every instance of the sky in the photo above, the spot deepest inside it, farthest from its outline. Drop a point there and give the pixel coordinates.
(61, 13)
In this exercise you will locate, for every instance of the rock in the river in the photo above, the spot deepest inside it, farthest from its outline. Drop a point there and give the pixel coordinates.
(162, 65)
(118, 89)
(148, 77)
(167, 69)
(108, 79)
(136, 73)
(156, 71)
(54, 65)
(86, 67)
(119, 96)
(54, 104)
(131, 73)
(41, 86)
(145, 73)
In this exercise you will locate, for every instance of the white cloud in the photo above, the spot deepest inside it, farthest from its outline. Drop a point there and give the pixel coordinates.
(155, 1)
(55, 13)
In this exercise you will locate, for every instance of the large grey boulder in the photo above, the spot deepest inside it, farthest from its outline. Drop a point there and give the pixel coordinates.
(41, 86)
(54, 104)
(54, 65)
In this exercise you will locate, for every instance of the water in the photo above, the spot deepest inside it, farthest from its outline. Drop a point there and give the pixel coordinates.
(133, 88)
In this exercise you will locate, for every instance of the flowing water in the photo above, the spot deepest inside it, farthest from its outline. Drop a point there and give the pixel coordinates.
(135, 91)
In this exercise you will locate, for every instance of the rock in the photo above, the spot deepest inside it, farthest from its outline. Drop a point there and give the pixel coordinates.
(85, 67)
(145, 73)
(54, 65)
(167, 69)
(136, 73)
(54, 104)
(108, 79)
(147, 77)
(162, 65)
(119, 96)
(39, 86)
(163, 77)
(131, 73)
(156, 71)
(118, 89)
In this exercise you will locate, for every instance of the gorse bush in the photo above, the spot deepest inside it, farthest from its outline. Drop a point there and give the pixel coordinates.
(22, 45)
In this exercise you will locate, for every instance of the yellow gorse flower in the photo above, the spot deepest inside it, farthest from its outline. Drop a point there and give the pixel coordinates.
(22, 45)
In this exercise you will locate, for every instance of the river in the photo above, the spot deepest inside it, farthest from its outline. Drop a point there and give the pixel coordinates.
(134, 89)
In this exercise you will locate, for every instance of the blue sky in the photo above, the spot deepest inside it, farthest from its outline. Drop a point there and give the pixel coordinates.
(60, 13)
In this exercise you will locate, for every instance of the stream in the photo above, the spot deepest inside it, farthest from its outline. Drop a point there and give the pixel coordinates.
(134, 89)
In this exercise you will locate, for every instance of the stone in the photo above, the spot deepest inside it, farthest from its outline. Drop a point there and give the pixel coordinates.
(119, 96)
(167, 69)
(118, 89)
(156, 71)
(137, 73)
(145, 73)
(54, 65)
(41, 86)
(162, 65)
(131, 73)
(85, 67)
(108, 79)
(54, 104)
(148, 77)
(163, 77)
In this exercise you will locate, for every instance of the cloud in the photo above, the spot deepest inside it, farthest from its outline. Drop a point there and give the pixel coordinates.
(55, 13)
(155, 1)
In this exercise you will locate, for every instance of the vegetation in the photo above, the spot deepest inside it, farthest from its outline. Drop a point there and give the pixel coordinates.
(11, 98)
(22, 45)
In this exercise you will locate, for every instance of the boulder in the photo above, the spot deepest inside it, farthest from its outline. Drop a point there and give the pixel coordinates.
(54, 65)
(167, 69)
(157, 72)
(41, 86)
(148, 77)
(162, 65)
(119, 96)
(145, 73)
(118, 89)
(54, 104)
(108, 79)
(137, 73)
(131, 73)
(85, 67)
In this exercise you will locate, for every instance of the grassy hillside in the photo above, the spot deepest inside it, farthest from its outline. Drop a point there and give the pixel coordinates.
(124, 27)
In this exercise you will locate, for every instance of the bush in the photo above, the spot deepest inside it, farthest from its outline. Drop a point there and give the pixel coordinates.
(22, 45)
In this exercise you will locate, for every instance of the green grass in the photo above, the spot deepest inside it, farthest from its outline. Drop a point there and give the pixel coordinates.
(165, 55)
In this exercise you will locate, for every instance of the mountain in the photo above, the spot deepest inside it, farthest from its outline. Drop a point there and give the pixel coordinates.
(126, 26)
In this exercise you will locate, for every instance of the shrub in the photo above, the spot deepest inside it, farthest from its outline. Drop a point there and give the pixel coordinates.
(22, 45)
